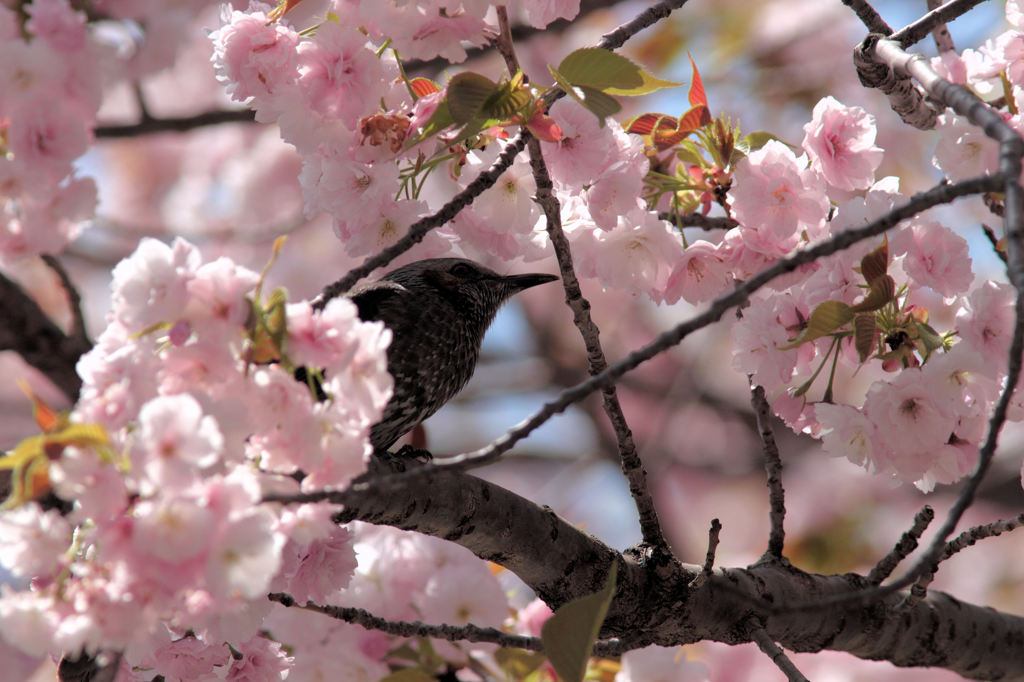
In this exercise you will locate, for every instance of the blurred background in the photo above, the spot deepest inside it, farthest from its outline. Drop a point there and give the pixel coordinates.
(232, 188)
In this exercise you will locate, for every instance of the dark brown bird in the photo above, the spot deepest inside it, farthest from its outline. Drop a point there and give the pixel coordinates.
(437, 311)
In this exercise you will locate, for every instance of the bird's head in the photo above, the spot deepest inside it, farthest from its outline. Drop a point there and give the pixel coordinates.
(464, 282)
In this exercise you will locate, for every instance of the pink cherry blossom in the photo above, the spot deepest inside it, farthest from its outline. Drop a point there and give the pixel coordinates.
(635, 255)
(986, 323)
(318, 569)
(32, 541)
(255, 59)
(47, 136)
(540, 13)
(840, 142)
(531, 618)
(262, 660)
(151, 285)
(660, 664)
(173, 529)
(585, 150)
(57, 23)
(846, 432)
(189, 658)
(339, 74)
(775, 199)
(758, 336)
(218, 292)
(700, 275)
(176, 440)
(28, 620)
(936, 256)
(963, 150)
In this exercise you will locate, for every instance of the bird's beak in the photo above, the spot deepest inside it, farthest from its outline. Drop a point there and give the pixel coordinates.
(519, 282)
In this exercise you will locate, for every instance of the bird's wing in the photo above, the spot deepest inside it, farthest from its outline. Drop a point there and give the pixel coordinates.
(375, 299)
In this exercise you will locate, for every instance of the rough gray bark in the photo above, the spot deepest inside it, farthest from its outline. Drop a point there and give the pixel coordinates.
(655, 602)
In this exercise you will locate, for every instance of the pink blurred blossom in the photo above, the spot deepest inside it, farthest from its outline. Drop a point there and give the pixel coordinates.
(775, 199)
(840, 142)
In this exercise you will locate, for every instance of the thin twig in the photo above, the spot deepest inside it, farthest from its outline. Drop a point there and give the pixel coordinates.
(973, 535)
(767, 645)
(709, 559)
(452, 633)
(702, 221)
(941, 194)
(176, 125)
(77, 331)
(917, 31)
(653, 14)
(773, 467)
(994, 240)
(632, 466)
(940, 34)
(419, 229)
(919, 590)
(868, 16)
(907, 544)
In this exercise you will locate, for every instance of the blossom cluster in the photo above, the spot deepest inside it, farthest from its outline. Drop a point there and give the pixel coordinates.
(338, 98)
(325, 89)
(57, 63)
(170, 534)
(49, 95)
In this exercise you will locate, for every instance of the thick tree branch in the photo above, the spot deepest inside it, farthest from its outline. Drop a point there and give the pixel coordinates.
(665, 606)
(26, 330)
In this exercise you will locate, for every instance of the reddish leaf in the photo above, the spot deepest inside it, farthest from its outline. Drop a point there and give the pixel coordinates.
(46, 417)
(422, 87)
(695, 118)
(882, 290)
(864, 335)
(645, 124)
(875, 264)
(697, 94)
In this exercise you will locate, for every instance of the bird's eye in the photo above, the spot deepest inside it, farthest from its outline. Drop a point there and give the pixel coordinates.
(463, 270)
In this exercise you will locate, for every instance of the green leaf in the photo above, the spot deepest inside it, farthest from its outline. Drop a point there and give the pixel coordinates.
(506, 101)
(882, 290)
(827, 317)
(864, 336)
(690, 153)
(599, 104)
(569, 635)
(467, 93)
(609, 72)
(876, 263)
(930, 339)
(518, 663)
(439, 120)
(409, 675)
(753, 141)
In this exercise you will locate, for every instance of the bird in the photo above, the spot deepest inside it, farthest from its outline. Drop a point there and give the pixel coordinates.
(438, 311)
